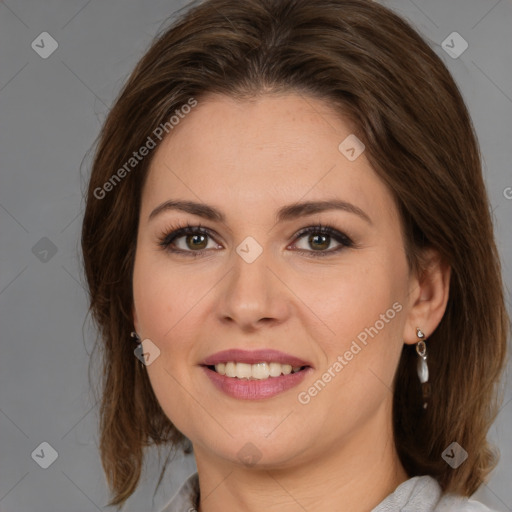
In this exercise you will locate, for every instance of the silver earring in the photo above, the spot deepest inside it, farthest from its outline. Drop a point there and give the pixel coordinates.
(422, 368)
(138, 350)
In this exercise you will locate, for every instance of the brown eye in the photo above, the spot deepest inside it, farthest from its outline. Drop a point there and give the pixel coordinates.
(320, 239)
(189, 240)
(319, 242)
(196, 241)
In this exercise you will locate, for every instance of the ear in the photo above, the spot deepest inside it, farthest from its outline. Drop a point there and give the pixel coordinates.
(428, 294)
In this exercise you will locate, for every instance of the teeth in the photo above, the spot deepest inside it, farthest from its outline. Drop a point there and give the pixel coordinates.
(275, 369)
(243, 371)
(258, 371)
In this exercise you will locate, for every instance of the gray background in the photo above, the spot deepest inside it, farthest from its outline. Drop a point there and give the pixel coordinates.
(51, 111)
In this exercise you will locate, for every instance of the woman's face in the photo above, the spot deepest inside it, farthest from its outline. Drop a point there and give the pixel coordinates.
(334, 303)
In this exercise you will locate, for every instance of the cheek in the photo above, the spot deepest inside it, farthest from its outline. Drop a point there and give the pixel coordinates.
(164, 293)
(353, 297)
(164, 301)
(366, 313)
(151, 298)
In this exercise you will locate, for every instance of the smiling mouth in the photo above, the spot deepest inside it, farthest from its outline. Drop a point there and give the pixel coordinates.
(258, 371)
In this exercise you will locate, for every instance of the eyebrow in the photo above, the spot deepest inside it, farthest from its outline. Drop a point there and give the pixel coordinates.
(286, 213)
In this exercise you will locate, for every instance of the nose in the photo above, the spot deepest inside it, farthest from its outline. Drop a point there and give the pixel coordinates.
(252, 295)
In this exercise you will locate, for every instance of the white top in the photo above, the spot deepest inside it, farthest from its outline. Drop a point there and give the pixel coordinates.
(418, 494)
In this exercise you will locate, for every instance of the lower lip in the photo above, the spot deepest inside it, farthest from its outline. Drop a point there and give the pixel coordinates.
(246, 389)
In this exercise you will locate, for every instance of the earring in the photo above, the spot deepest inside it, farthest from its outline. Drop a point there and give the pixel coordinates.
(138, 350)
(422, 368)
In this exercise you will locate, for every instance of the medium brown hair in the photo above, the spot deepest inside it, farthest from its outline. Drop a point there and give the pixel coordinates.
(376, 71)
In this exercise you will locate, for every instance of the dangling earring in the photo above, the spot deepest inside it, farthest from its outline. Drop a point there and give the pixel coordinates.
(138, 350)
(422, 368)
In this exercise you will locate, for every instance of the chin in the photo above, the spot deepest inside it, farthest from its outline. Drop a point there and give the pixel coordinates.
(258, 451)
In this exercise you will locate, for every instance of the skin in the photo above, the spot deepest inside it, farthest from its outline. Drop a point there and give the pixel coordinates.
(248, 159)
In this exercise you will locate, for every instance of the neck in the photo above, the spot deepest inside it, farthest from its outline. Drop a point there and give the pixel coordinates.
(356, 474)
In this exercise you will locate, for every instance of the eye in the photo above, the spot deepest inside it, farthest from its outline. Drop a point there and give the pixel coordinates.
(195, 240)
(320, 238)
(190, 240)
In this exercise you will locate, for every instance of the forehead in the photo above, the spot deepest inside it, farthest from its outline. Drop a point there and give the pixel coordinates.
(272, 149)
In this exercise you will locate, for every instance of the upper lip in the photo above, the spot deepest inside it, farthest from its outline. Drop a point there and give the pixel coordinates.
(253, 357)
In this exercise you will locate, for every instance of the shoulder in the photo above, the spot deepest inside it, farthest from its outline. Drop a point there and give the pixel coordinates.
(423, 494)
(454, 503)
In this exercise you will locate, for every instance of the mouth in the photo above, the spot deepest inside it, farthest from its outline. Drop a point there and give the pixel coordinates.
(242, 387)
(258, 371)
(253, 375)
(254, 364)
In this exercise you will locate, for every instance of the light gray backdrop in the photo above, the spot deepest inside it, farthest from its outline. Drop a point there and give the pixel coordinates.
(53, 100)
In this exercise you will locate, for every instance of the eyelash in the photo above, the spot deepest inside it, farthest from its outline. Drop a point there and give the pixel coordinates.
(176, 231)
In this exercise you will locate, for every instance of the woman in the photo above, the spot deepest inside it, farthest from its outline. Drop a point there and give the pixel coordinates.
(287, 213)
